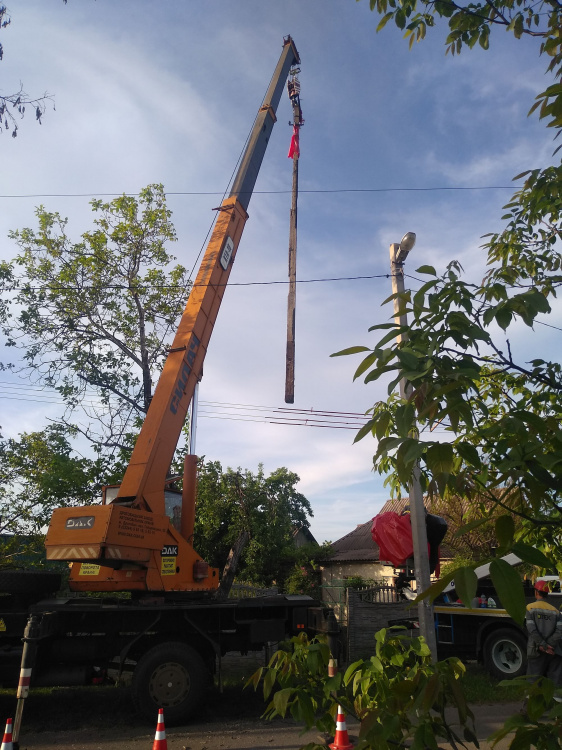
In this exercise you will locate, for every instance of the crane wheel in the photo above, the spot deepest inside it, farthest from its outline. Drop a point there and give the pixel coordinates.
(172, 676)
(505, 653)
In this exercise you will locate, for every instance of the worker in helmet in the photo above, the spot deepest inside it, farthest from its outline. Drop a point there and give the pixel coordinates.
(544, 626)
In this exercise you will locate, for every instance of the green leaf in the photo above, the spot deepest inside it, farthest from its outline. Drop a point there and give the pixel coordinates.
(505, 528)
(510, 589)
(532, 555)
(365, 430)
(404, 419)
(366, 363)
(384, 20)
(408, 359)
(470, 454)
(382, 423)
(439, 458)
(281, 699)
(503, 318)
(351, 350)
(350, 671)
(427, 269)
(269, 682)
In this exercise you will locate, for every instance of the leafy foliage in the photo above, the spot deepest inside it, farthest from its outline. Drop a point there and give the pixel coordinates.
(471, 23)
(306, 574)
(269, 508)
(528, 730)
(398, 695)
(91, 317)
(502, 450)
(38, 473)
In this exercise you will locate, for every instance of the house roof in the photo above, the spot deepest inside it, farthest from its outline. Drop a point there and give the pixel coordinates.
(395, 505)
(302, 533)
(357, 546)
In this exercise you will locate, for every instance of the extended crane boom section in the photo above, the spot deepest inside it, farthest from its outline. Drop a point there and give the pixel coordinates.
(130, 543)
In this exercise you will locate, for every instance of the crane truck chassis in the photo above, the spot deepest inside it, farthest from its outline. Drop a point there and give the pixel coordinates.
(170, 648)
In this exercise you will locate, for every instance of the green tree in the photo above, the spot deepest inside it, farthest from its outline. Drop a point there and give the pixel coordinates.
(501, 413)
(38, 473)
(90, 318)
(269, 508)
(398, 695)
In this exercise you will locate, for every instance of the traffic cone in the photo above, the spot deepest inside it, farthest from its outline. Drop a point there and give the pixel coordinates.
(341, 740)
(160, 742)
(7, 741)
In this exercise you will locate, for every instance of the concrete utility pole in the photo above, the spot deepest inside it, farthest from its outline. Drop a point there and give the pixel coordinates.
(293, 88)
(398, 254)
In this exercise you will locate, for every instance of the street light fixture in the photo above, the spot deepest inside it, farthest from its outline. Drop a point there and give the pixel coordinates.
(398, 254)
(406, 244)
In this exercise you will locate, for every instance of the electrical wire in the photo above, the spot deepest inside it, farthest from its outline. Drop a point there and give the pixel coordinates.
(271, 192)
(290, 416)
(245, 284)
(170, 287)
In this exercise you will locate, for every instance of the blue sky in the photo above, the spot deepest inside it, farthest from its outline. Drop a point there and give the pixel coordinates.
(166, 92)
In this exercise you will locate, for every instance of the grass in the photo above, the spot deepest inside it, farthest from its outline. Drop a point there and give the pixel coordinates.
(101, 706)
(481, 688)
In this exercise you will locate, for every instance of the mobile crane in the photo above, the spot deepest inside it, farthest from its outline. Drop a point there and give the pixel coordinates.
(129, 543)
(170, 635)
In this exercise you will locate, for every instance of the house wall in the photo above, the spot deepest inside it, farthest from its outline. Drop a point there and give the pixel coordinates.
(368, 570)
(366, 616)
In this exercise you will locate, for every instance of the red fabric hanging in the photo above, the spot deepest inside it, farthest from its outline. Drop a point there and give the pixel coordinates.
(393, 534)
(294, 149)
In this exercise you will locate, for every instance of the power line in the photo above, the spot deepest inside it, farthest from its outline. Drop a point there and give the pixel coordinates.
(218, 410)
(241, 284)
(164, 287)
(272, 192)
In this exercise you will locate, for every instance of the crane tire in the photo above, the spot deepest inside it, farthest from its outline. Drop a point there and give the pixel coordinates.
(29, 582)
(505, 653)
(172, 676)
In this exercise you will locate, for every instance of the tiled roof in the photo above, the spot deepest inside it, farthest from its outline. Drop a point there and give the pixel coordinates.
(357, 546)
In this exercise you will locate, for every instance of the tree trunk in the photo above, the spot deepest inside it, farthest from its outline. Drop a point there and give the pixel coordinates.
(232, 565)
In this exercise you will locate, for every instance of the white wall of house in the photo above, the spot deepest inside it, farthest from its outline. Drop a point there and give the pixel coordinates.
(368, 570)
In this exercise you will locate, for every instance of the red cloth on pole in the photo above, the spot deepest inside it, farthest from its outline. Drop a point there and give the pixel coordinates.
(294, 149)
(393, 534)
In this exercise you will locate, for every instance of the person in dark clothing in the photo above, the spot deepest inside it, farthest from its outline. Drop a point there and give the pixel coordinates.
(544, 626)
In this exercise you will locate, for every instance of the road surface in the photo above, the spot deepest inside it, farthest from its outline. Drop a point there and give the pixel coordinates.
(232, 735)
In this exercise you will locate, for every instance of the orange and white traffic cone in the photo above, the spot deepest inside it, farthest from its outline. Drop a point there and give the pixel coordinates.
(7, 741)
(160, 742)
(341, 740)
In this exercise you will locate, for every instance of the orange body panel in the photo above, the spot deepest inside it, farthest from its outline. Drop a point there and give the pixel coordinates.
(110, 533)
(115, 548)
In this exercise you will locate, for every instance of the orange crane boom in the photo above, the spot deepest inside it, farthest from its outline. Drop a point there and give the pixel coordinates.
(129, 543)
